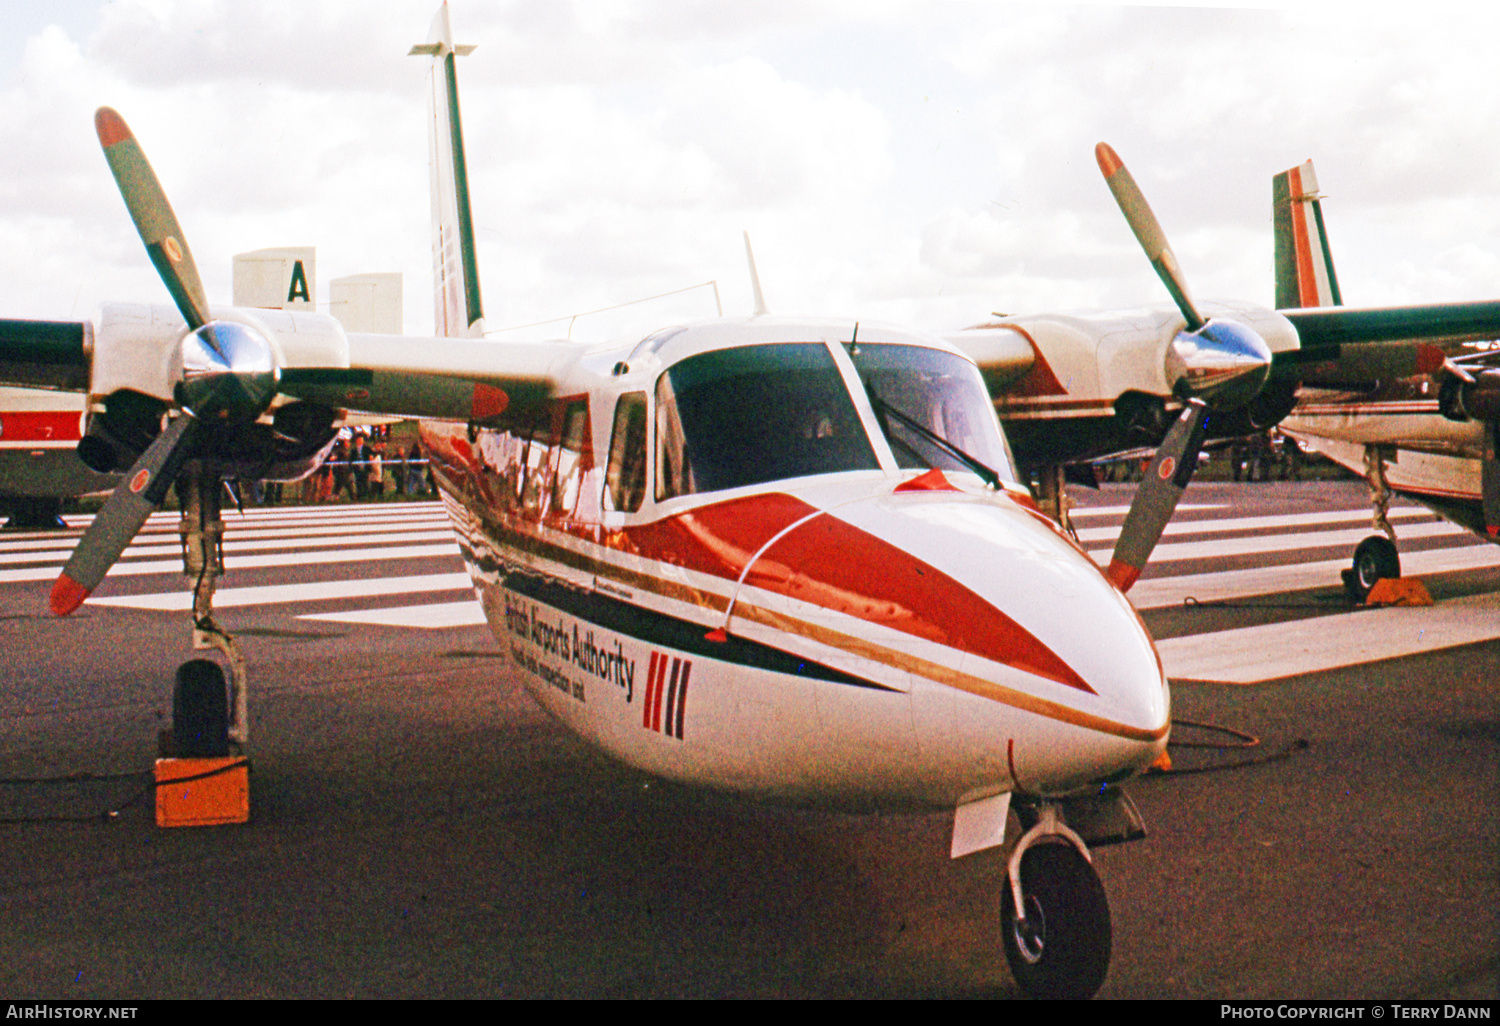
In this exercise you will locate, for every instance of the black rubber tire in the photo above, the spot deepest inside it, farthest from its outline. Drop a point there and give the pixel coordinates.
(200, 711)
(1375, 559)
(1068, 956)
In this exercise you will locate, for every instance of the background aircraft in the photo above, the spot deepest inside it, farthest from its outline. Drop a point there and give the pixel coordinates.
(1428, 433)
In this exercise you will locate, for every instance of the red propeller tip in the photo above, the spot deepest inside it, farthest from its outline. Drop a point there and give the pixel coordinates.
(1122, 575)
(110, 126)
(1109, 160)
(67, 595)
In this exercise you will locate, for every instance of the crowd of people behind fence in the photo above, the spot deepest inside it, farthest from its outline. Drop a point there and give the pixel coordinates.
(363, 465)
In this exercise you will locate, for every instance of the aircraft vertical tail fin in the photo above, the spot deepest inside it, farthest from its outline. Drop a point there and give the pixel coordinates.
(455, 270)
(1304, 263)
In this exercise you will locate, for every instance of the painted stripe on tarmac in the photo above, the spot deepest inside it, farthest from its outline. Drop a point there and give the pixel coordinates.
(174, 566)
(1222, 585)
(1266, 523)
(1120, 511)
(1259, 544)
(1251, 655)
(318, 591)
(60, 556)
(428, 617)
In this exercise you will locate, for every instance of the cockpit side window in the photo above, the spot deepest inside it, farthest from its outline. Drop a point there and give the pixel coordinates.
(743, 416)
(625, 477)
(940, 392)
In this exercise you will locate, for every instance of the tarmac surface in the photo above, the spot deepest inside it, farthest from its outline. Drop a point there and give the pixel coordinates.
(421, 829)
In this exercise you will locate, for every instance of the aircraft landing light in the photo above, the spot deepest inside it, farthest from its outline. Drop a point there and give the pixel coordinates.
(430, 616)
(1252, 655)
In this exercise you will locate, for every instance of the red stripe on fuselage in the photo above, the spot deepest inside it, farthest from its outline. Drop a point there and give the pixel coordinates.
(40, 426)
(836, 565)
(833, 564)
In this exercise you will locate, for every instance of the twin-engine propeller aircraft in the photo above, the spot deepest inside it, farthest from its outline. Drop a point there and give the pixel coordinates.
(1427, 431)
(785, 558)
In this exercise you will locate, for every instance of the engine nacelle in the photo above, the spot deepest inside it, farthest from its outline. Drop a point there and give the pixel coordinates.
(138, 347)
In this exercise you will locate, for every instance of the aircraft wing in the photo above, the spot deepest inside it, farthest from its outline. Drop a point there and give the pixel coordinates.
(445, 378)
(45, 354)
(1437, 323)
(398, 375)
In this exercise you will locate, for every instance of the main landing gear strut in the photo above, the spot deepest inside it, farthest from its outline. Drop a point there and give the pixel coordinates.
(207, 714)
(1375, 557)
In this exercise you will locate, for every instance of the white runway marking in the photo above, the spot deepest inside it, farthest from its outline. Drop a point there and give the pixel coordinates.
(1218, 548)
(244, 544)
(319, 591)
(430, 616)
(1223, 585)
(329, 536)
(174, 566)
(1251, 655)
(1262, 523)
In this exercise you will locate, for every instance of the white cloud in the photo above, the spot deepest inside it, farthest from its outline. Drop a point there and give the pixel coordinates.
(925, 161)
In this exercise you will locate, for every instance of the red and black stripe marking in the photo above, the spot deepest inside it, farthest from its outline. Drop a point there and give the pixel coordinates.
(671, 683)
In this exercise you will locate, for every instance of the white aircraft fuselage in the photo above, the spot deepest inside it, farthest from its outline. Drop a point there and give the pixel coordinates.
(826, 620)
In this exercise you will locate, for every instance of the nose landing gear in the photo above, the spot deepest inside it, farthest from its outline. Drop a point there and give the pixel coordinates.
(1054, 915)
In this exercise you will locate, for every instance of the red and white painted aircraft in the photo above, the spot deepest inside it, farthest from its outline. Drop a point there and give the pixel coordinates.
(1426, 430)
(785, 558)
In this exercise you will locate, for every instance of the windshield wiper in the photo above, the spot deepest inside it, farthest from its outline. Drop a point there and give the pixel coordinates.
(987, 474)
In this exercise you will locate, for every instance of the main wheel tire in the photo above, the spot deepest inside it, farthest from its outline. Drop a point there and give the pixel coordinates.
(1374, 559)
(200, 711)
(1063, 951)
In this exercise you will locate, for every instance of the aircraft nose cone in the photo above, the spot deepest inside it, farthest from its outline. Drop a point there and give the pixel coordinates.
(1050, 643)
(1223, 363)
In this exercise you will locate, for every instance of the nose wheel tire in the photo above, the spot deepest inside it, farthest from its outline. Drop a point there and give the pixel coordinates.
(1374, 559)
(1061, 949)
(200, 711)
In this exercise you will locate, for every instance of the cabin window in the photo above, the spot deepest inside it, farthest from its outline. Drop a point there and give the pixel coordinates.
(941, 392)
(531, 480)
(625, 477)
(568, 476)
(744, 416)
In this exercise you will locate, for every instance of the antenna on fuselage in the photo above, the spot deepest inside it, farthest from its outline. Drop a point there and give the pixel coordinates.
(760, 298)
(458, 311)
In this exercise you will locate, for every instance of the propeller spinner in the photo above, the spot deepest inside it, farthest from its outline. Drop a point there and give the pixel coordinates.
(1221, 362)
(229, 371)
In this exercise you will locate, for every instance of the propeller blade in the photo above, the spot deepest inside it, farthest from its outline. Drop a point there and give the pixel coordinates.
(1147, 231)
(153, 217)
(1156, 499)
(132, 501)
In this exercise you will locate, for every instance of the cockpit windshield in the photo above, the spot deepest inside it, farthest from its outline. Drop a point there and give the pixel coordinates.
(919, 393)
(744, 416)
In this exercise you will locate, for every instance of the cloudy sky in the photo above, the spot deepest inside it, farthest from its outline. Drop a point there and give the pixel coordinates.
(920, 163)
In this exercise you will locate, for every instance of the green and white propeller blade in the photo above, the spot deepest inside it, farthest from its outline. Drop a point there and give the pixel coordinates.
(1147, 231)
(133, 500)
(153, 216)
(1156, 499)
